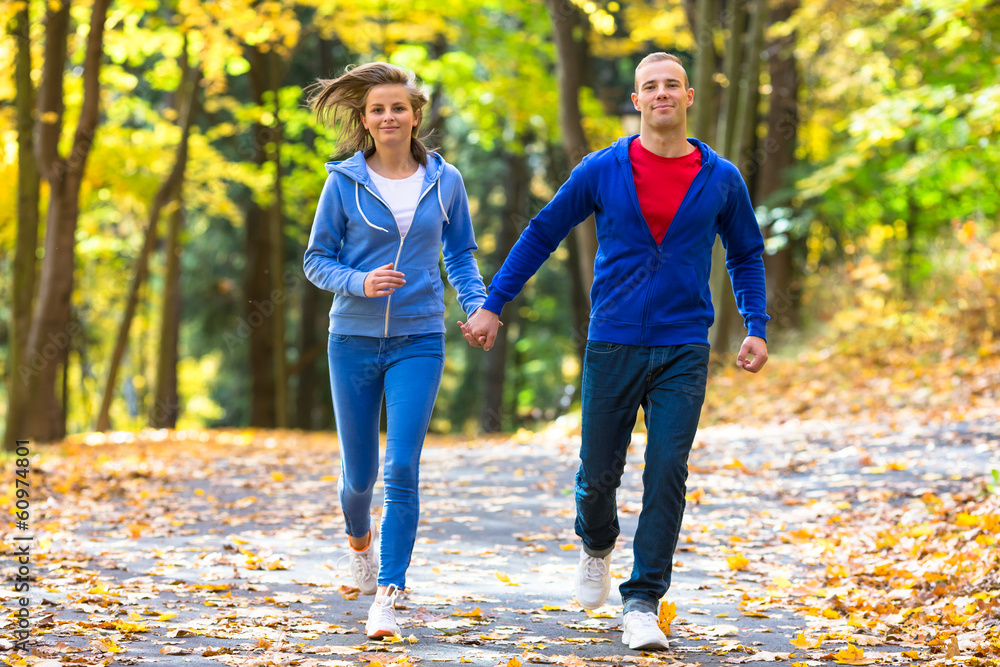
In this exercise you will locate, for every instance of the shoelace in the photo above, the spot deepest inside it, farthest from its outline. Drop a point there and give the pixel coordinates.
(385, 605)
(596, 569)
(363, 564)
(348, 560)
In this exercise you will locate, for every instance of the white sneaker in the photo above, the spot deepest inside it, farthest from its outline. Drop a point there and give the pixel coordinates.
(382, 616)
(593, 580)
(641, 630)
(364, 565)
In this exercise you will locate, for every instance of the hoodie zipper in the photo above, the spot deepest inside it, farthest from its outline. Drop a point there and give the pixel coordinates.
(402, 239)
(630, 183)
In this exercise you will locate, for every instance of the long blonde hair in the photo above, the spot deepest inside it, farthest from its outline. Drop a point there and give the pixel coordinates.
(341, 101)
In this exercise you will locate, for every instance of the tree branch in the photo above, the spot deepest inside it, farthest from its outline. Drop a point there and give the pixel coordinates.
(50, 93)
(87, 124)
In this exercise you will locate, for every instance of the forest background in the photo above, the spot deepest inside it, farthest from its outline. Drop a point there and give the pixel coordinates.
(159, 172)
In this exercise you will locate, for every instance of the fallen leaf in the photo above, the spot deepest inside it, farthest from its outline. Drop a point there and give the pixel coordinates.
(475, 613)
(737, 562)
(801, 641)
(668, 611)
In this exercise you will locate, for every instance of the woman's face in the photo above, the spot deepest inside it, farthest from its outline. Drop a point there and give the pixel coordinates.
(388, 115)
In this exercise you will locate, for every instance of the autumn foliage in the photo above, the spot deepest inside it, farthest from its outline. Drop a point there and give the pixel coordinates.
(878, 353)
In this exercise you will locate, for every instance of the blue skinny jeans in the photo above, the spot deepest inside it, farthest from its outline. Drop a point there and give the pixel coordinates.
(406, 370)
(669, 383)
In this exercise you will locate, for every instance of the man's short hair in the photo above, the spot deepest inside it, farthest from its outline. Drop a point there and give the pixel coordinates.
(657, 57)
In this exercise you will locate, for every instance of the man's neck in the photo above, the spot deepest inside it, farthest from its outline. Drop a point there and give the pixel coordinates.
(668, 143)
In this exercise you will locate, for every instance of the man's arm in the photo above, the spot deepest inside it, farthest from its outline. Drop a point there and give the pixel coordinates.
(572, 204)
(744, 249)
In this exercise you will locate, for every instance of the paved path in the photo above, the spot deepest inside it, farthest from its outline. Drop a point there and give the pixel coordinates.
(186, 552)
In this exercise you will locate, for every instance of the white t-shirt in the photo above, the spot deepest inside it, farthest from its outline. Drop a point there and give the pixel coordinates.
(401, 195)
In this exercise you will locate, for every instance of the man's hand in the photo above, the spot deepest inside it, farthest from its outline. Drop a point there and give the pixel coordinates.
(756, 349)
(383, 281)
(481, 329)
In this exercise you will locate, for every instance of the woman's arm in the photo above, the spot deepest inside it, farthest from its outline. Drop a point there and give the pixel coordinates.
(322, 259)
(459, 241)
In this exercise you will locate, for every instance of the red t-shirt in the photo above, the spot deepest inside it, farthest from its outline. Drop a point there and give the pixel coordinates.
(661, 183)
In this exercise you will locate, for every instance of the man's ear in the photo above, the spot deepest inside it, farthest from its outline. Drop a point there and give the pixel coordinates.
(635, 102)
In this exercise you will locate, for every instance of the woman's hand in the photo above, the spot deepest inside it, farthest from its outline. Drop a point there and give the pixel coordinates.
(383, 281)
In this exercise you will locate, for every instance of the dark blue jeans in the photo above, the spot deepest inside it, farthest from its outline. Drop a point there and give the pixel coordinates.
(669, 383)
(406, 370)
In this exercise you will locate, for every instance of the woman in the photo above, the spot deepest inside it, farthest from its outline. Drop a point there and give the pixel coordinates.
(383, 217)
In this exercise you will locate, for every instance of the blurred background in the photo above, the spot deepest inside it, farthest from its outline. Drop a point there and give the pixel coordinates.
(160, 172)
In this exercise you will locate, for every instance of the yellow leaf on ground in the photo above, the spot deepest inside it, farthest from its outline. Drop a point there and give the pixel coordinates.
(568, 547)
(952, 651)
(851, 655)
(475, 613)
(124, 627)
(108, 645)
(513, 662)
(801, 641)
(349, 592)
(668, 612)
(505, 578)
(277, 476)
(737, 562)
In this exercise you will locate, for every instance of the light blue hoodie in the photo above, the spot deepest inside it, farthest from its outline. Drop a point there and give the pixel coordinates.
(354, 232)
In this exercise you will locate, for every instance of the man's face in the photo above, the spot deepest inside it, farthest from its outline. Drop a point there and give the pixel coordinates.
(662, 98)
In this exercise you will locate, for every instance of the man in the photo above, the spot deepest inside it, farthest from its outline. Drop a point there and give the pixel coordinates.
(659, 200)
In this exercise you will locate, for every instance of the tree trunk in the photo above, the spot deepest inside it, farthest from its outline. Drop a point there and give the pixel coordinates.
(166, 402)
(433, 121)
(572, 57)
(733, 66)
(257, 321)
(306, 400)
(169, 190)
(518, 183)
(313, 322)
(723, 301)
(774, 163)
(51, 331)
(704, 89)
(748, 109)
(277, 262)
(28, 185)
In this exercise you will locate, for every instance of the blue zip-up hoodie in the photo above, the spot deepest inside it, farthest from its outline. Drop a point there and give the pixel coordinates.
(354, 232)
(643, 293)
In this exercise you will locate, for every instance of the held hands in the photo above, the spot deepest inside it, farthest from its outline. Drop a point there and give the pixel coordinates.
(481, 329)
(753, 354)
(383, 281)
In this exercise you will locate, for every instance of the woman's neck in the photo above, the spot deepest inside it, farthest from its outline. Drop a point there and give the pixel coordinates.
(392, 162)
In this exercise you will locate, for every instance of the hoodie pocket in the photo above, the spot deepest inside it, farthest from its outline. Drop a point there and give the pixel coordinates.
(677, 295)
(422, 295)
(358, 305)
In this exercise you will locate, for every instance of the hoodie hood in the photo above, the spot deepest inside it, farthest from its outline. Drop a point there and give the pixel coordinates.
(354, 168)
